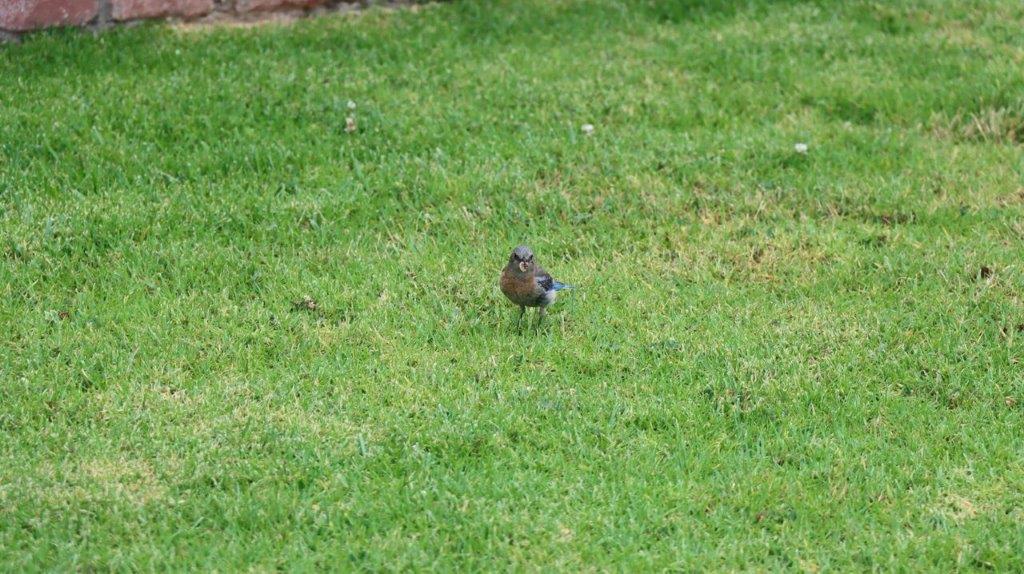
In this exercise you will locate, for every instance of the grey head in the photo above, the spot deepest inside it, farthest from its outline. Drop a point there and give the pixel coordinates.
(521, 259)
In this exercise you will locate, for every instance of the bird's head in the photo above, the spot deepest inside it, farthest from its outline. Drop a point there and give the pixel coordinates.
(521, 259)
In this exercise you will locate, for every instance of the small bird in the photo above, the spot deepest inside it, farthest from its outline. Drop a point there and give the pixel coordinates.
(527, 285)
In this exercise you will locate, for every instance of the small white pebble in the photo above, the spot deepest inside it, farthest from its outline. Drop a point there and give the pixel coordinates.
(587, 129)
(800, 148)
(351, 105)
(350, 124)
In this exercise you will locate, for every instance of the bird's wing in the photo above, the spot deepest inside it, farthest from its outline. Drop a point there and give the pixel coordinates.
(544, 279)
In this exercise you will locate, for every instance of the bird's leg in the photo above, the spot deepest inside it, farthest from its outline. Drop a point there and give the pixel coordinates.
(541, 311)
(519, 323)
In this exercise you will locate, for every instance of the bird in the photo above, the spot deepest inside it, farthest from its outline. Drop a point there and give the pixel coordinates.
(528, 285)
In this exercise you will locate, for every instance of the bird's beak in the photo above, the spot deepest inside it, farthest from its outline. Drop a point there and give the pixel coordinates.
(523, 266)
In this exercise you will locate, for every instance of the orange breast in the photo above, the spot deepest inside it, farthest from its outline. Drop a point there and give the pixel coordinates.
(520, 290)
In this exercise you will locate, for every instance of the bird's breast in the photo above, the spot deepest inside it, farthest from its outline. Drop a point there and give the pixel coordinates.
(521, 290)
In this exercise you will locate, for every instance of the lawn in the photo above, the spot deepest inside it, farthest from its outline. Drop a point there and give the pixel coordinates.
(235, 335)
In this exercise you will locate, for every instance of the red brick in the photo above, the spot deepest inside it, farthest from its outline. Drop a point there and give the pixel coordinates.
(135, 9)
(30, 14)
(261, 5)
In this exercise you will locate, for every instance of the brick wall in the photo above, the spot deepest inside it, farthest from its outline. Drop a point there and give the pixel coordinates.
(17, 16)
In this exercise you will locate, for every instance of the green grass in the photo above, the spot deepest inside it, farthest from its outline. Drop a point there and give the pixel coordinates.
(774, 360)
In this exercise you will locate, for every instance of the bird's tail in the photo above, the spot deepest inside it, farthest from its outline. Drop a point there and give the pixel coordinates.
(559, 286)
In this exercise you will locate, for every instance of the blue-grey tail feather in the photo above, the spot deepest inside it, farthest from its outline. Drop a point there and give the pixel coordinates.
(558, 286)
